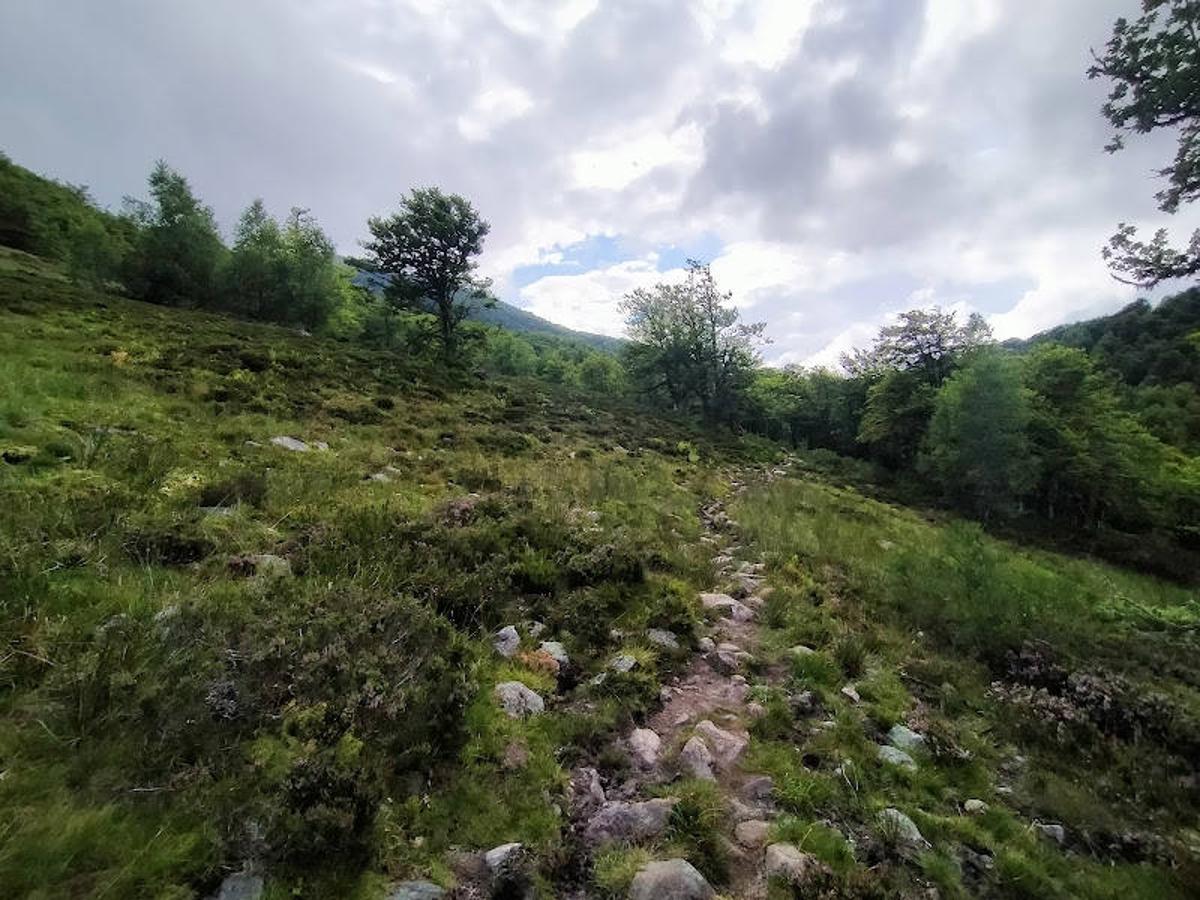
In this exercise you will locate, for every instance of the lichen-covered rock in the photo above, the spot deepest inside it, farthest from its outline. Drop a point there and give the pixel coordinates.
(672, 879)
(726, 746)
(751, 834)
(518, 700)
(242, 886)
(974, 807)
(623, 663)
(696, 760)
(556, 651)
(506, 641)
(906, 829)
(786, 863)
(290, 443)
(904, 738)
(662, 638)
(626, 822)
(895, 757)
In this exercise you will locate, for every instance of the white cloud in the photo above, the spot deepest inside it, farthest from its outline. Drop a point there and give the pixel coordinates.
(493, 107)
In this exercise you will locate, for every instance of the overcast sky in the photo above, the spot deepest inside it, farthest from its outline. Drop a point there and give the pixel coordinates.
(837, 161)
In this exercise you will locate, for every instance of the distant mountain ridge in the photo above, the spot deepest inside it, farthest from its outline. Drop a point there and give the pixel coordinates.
(503, 315)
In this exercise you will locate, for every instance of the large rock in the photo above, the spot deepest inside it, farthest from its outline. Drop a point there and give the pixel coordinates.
(499, 859)
(644, 747)
(895, 757)
(906, 829)
(728, 606)
(241, 886)
(751, 834)
(975, 807)
(696, 759)
(788, 864)
(290, 443)
(416, 890)
(904, 738)
(628, 822)
(506, 641)
(726, 746)
(662, 638)
(724, 662)
(759, 789)
(672, 879)
(517, 700)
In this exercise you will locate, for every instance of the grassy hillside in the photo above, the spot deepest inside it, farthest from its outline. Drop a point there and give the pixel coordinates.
(220, 652)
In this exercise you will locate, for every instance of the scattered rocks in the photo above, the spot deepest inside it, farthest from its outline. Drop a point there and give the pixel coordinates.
(734, 609)
(556, 651)
(905, 828)
(672, 879)
(895, 757)
(724, 661)
(517, 700)
(759, 789)
(416, 890)
(751, 834)
(851, 693)
(696, 759)
(1052, 832)
(622, 663)
(787, 863)
(644, 747)
(662, 638)
(621, 821)
(506, 641)
(726, 746)
(290, 443)
(904, 738)
(242, 886)
(974, 807)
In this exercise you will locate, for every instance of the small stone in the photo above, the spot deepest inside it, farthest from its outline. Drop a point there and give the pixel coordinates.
(290, 443)
(735, 610)
(1052, 832)
(584, 792)
(850, 692)
(672, 879)
(516, 756)
(895, 757)
(499, 858)
(241, 886)
(726, 746)
(904, 738)
(416, 890)
(268, 565)
(506, 641)
(723, 661)
(906, 828)
(644, 747)
(801, 650)
(696, 759)
(556, 651)
(974, 807)
(623, 663)
(536, 629)
(752, 834)
(788, 864)
(662, 638)
(320, 445)
(518, 700)
(618, 820)
(706, 645)
(804, 703)
(759, 789)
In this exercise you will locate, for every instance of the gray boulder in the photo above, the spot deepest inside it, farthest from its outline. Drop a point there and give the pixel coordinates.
(241, 886)
(416, 890)
(1051, 832)
(751, 834)
(500, 859)
(556, 651)
(696, 759)
(506, 641)
(895, 757)
(585, 793)
(517, 700)
(904, 738)
(726, 746)
(290, 443)
(662, 638)
(623, 663)
(644, 747)
(786, 863)
(906, 828)
(628, 822)
(672, 879)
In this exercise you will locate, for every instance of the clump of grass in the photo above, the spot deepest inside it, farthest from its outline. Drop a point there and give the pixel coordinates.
(697, 822)
(825, 843)
(615, 867)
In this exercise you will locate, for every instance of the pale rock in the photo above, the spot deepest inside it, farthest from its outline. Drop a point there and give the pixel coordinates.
(416, 890)
(518, 700)
(506, 641)
(904, 738)
(268, 565)
(726, 746)
(556, 651)
(623, 663)
(974, 807)
(906, 828)
(1052, 832)
(242, 886)
(788, 864)
(500, 858)
(644, 747)
(706, 645)
(896, 757)
(290, 443)
(672, 879)
(751, 834)
(696, 759)
(851, 693)
(662, 638)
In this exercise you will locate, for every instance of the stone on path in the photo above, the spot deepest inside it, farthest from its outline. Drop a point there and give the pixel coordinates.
(894, 757)
(724, 661)
(585, 794)
(706, 645)
(416, 890)
(751, 834)
(904, 738)
(734, 609)
(672, 879)
(660, 637)
(290, 443)
(905, 827)
(518, 700)
(787, 863)
(696, 759)
(506, 641)
(644, 747)
(726, 746)
(618, 820)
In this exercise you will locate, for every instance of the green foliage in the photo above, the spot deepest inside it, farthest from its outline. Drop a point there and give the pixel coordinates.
(697, 822)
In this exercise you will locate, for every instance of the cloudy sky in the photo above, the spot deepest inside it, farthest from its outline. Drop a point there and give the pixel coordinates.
(836, 160)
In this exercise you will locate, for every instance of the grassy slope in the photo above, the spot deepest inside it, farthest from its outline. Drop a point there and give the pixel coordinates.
(164, 717)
